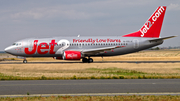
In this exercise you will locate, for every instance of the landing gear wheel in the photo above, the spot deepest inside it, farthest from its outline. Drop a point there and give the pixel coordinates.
(84, 60)
(24, 61)
(90, 60)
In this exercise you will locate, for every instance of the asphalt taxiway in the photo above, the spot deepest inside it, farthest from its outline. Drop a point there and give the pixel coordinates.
(90, 87)
(60, 62)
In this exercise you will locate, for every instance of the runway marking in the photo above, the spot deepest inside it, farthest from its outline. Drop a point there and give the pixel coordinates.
(92, 94)
(87, 84)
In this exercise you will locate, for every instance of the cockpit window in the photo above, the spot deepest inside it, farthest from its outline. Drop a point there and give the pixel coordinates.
(17, 44)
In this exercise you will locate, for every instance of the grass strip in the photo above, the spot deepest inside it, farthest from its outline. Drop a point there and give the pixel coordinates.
(97, 98)
(5, 77)
(110, 73)
(116, 71)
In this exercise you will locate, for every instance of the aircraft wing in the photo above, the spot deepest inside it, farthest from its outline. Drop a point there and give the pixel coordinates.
(164, 38)
(99, 50)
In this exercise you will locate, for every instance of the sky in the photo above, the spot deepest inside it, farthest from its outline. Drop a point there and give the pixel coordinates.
(20, 19)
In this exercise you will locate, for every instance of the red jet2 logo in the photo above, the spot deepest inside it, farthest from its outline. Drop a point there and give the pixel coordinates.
(151, 21)
(40, 47)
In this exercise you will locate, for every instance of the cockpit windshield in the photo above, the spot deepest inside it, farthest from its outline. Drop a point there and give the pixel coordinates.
(17, 44)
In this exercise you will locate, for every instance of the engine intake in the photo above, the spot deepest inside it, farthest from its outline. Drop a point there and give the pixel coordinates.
(71, 55)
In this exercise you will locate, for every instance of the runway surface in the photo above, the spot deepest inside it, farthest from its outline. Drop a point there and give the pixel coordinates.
(60, 62)
(90, 87)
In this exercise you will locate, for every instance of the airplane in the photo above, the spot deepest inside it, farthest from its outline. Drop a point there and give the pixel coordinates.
(85, 47)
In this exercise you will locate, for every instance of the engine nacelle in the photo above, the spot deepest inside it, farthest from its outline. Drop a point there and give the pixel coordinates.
(71, 55)
(57, 58)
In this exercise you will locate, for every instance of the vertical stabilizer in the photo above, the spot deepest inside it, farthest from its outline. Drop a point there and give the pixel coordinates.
(152, 27)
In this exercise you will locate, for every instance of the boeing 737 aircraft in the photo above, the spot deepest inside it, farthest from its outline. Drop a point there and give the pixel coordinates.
(76, 48)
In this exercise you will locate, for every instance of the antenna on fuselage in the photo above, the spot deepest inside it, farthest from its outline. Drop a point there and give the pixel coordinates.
(78, 35)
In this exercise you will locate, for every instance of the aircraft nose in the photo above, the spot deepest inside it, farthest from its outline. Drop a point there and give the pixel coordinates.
(7, 50)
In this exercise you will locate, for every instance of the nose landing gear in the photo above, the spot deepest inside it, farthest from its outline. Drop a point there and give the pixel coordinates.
(89, 60)
(24, 61)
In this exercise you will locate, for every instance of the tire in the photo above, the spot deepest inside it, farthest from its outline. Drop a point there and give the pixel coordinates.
(84, 60)
(24, 61)
(90, 60)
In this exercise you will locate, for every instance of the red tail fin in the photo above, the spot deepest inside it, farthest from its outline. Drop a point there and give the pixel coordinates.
(152, 27)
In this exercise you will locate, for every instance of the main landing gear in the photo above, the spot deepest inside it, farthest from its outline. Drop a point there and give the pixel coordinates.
(24, 61)
(89, 60)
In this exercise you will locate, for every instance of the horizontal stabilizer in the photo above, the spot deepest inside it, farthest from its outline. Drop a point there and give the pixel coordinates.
(162, 38)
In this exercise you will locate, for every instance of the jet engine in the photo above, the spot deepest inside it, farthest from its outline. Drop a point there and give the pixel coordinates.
(71, 55)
